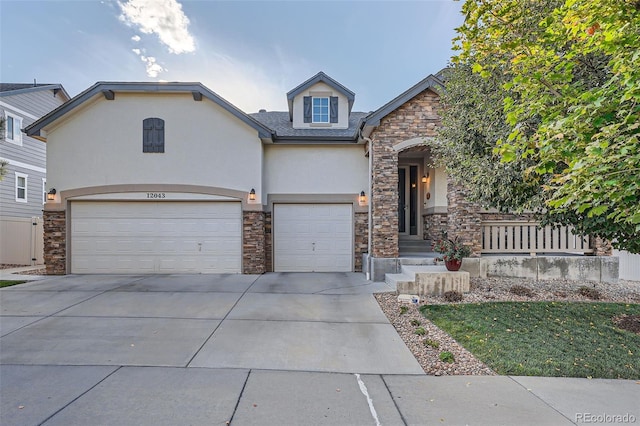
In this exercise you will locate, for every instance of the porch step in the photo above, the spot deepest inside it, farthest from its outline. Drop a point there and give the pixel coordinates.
(414, 246)
(428, 280)
(424, 258)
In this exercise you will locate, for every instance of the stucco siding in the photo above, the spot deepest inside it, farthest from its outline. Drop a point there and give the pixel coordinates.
(204, 145)
(316, 169)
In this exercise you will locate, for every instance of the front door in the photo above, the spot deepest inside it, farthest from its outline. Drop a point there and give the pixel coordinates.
(408, 200)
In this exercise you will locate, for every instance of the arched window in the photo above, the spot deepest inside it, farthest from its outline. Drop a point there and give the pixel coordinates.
(153, 135)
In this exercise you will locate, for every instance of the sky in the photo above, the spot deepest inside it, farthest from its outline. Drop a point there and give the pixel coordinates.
(249, 52)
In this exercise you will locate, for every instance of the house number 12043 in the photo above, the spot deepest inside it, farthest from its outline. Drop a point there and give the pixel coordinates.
(156, 195)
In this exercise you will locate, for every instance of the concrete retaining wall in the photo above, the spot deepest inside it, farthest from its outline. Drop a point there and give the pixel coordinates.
(574, 268)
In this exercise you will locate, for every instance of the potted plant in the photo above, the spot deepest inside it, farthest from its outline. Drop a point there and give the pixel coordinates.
(452, 252)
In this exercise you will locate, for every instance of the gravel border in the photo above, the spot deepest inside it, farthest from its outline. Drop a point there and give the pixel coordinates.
(485, 290)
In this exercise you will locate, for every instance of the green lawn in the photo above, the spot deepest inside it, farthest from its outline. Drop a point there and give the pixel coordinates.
(544, 338)
(8, 283)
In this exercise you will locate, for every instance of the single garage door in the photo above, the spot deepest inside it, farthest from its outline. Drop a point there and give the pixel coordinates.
(155, 237)
(312, 237)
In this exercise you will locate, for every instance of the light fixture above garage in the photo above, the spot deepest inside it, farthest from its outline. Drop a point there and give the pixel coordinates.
(362, 199)
(51, 195)
(252, 195)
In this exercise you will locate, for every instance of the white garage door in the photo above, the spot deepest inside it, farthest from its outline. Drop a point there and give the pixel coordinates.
(312, 237)
(156, 237)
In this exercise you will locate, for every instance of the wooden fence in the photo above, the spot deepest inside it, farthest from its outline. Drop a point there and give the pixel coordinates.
(512, 236)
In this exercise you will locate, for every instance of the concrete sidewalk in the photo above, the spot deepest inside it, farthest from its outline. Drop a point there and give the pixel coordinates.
(275, 349)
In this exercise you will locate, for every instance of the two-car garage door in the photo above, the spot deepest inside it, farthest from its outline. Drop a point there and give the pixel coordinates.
(156, 237)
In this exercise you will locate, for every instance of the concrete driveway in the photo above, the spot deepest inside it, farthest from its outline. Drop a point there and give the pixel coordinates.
(209, 349)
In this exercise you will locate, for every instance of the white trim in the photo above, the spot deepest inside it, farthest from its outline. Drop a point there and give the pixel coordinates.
(16, 137)
(26, 186)
(18, 110)
(24, 165)
(44, 191)
(313, 98)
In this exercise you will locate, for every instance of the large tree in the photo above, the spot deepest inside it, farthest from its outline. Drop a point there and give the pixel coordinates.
(472, 121)
(571, 83)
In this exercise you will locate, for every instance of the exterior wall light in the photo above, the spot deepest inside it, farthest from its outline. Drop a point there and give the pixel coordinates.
(425, 178)
(362, 199)
(51, 195)
(252, 195)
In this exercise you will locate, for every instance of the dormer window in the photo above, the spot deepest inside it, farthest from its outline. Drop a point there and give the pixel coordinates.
(321, 109)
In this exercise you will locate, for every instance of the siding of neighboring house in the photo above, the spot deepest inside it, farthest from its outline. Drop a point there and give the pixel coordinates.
(27, 158)
(629, 265)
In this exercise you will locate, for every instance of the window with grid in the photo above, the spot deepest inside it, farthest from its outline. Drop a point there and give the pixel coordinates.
(320, 110)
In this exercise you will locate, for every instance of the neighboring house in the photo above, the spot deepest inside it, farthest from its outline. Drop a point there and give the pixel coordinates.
(169, 177)
(22, 191)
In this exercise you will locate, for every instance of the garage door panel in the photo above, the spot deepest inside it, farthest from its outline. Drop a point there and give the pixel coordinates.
(313, 237)
(156, 237)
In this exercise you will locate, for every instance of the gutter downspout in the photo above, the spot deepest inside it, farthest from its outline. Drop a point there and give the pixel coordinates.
(370, 213)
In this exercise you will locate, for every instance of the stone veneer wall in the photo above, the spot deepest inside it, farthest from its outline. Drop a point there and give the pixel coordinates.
(253, 242)
(464, 218)
(601, 247)
(434, 225)
(361, 237)
(268, 242)
(416, 118)
(55, 242)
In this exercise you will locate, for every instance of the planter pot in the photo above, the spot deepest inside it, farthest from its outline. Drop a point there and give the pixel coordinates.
(453, 264)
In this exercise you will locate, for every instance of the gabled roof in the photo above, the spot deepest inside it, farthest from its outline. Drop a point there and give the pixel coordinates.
(320, 77)
(431, 82)
(284, 132)
(110, 89)
(10, 89)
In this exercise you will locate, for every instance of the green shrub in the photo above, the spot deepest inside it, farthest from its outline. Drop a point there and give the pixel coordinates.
(414, 322)
(447, 356)
(420, 331)
(431, 343)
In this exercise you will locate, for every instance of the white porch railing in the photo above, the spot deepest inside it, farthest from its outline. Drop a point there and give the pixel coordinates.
(512, 236)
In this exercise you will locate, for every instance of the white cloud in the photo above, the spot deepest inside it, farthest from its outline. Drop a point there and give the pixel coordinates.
(164, 18)
(135, 38)
(136, 51)
(153, 68)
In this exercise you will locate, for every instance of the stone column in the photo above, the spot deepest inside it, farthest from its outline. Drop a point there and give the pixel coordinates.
(361, 238)
(464, 219)
(55, 242)
(268, 242)
(253, 242)
(601, 247)
(384, 199)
